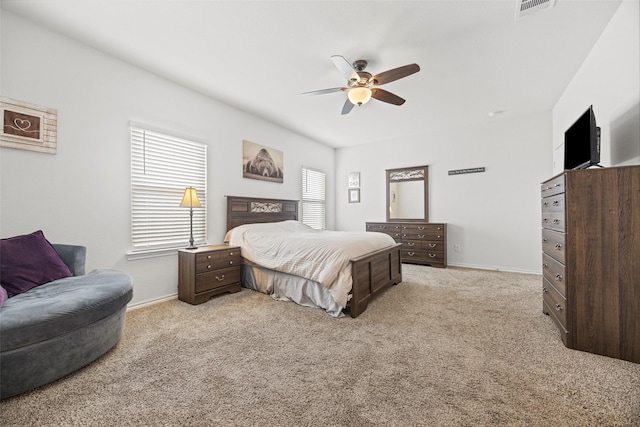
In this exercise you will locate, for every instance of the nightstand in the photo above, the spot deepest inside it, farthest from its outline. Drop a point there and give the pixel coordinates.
(208, 271)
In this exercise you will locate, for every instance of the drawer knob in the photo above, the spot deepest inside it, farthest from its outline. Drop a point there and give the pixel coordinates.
(383, 226)
(545, 290)
(558, 307)
(544, 265)
(208, 256)
(439, 237)
(545, 220)
(230, 253)
(556, 221)
(230, 262)
(556, 203)
(558, 246)
(421, 236)
(420, 228)
(412, 244)
(558, 277)
(220, 278)
(545, 204)
(544, 240)
(432, 245)
(432, 255)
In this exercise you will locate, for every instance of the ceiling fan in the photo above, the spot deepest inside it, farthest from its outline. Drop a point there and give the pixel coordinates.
(361, 84)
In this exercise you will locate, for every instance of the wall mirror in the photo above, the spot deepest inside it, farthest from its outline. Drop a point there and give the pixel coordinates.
(408, 194)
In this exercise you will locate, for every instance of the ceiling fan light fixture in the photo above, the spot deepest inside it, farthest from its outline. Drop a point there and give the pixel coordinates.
(359, 95)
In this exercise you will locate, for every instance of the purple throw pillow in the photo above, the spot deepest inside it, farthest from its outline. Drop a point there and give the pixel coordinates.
(29, 261)
(3, 295)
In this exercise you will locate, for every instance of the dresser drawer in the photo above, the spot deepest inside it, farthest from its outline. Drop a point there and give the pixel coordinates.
(557, 303)
(382, 227)
(553, 221)
(435, 231)
(208, 261)
(423, 256)
(218, 278)
(553, 204)
(553, 244)
(555, 273)
(417, 245)
(553, 186)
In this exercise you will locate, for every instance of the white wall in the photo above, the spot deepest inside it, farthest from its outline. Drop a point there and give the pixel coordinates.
(494, 216)
(81, 194)
(609, 79)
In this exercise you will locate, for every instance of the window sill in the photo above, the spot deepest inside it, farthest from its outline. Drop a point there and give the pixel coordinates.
(150, 253)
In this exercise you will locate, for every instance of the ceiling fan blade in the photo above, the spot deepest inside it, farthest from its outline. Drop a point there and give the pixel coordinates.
(395, 74)
(384, 96)
(346, 108)
(323, 91)
(345, 68)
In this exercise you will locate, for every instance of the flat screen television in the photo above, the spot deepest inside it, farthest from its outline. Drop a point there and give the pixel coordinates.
(582, 142)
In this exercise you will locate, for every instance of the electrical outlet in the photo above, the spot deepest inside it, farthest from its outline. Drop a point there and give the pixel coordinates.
(456, 248)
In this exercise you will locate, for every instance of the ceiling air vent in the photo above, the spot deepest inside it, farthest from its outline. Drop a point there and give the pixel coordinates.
(530, 7)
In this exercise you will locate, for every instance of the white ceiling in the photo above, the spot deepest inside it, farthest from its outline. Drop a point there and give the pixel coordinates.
(259, 56)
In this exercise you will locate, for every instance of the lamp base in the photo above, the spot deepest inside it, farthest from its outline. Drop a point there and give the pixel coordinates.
(191, 247)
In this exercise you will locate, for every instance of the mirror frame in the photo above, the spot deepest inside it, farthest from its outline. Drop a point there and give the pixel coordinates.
(416, 173)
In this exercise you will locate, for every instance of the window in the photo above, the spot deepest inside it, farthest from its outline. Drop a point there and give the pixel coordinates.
(313, 198)
(162, 166)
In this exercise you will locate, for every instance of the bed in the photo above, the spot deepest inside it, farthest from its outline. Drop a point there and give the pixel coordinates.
(369, 274)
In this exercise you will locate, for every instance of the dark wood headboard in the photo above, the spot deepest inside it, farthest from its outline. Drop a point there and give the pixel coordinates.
(251, 210)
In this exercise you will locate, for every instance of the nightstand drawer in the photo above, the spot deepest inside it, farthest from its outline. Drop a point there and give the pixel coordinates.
(208, 261)
(216, 279)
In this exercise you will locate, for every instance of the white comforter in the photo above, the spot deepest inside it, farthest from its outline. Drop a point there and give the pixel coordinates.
(319, 255)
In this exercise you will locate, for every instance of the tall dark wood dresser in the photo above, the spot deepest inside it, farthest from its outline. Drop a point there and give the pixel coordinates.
(591, 259)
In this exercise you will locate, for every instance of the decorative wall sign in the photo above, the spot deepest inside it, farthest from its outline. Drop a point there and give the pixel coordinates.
(354, 179)
(354, 195)
(463, 171)
(28, 127)
(260, 162)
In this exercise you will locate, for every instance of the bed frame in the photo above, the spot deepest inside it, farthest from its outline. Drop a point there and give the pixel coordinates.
(372, 273)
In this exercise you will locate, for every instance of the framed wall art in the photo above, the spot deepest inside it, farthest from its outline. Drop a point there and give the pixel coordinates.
(28, 127)
(354, 195)
(354, 179)
(260, 162)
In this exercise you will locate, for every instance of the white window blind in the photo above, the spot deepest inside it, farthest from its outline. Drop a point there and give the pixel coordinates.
(162, 166)
(313, 198)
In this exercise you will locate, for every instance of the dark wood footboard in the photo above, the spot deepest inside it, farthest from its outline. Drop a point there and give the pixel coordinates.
(372, 273)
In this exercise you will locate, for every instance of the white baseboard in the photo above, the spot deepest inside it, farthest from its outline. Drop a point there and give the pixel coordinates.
(151, 302)
(484, 267)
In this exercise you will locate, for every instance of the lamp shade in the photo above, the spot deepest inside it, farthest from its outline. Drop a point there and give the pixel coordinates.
(190, 199)
(359, 95)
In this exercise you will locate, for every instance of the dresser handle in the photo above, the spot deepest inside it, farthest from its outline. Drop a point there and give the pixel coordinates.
(382, 227)
(559, 277)
(558, 246)
(544, 240)
(208, 256)
(421, 236)
(432, 255)
(433, 245)
(556, 185)
(439, 237)
(558, 307)
(556, 221)
(420, 228)
(220, 279)
(230, 253)
(544, 265)
(545, 290)
(208, 266)
(230, 262)
(556, 203)
(545, 220)
(411, 253)
(411, 244)
(545, 204)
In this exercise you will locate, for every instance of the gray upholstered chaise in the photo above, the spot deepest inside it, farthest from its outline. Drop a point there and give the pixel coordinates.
(56, 328)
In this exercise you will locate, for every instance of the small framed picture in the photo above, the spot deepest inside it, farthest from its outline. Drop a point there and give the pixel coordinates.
(354, 195)
(354, 179)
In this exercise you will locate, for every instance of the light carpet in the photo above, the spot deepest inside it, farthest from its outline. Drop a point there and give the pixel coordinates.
(447, 347)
